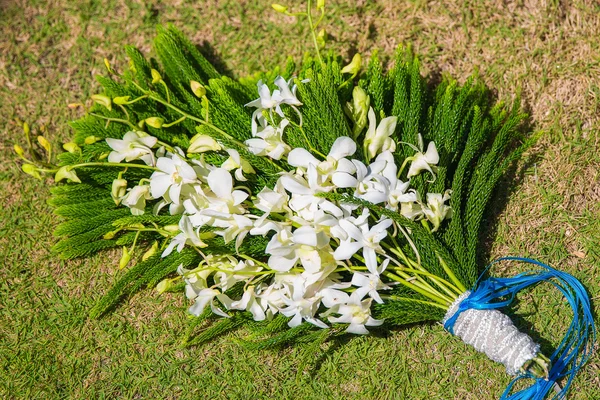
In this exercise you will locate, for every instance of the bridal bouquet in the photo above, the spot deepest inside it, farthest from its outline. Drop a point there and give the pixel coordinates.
(305, 202)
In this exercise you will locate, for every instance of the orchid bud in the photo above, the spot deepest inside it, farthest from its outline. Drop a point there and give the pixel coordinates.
(151, 251)
(202, 143)
(124, 258)
(44, 143)
(198, 89)
(321, 36)
(103, 100)
(71, 147)
(156, 78)
(107, 65)
(155, 122)
(164, 285)
(121, 100)
(91, 139)
(26, 128)
(354, 65)
(132, 67)
(31, 170)
(110, 235)
(279, 8)
(66, 173)
(358, 109)
(171, 228)
(103, 156)
(320, 4)
(119, 188)
(19, 150)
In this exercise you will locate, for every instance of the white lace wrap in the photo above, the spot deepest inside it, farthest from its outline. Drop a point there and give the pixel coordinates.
(493, 333)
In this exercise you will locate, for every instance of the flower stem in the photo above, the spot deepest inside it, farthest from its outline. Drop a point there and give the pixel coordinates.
(313, 32)
(123, 121)
(111, 164)
(400, 298)
(425, 293)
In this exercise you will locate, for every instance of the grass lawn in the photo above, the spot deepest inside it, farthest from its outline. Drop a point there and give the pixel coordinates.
(50, 51)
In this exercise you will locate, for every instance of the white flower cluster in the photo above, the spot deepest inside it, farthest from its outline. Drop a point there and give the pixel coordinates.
(325, 261)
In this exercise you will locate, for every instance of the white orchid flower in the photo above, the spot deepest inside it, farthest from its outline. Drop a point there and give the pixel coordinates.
(435, 210)
(227, 200)
(172, 174)
(133, 146)
(273, 102)
(303, 200)
(269, 141)
(187, 236)
(252, 303)
(299, 307)
(135, 199)
(237, 163)
(273, 297)
(231, 272)
(269, 200)
(423, 161)
(206, 297)
(364, 238)
(371, 283)
(378, 137)
(238, 227)
(341, 148)
(411, 206)
(304, 245)
(363, 219)
(195, 280)
(357, 313)
(369, 184)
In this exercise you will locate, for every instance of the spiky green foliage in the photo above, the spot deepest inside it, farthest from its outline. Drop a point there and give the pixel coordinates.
(477, 142)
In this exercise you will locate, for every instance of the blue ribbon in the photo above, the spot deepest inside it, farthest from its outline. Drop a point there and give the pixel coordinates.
(576, 347)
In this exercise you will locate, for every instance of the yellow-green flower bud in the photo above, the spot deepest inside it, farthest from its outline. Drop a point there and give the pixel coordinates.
(44, 143)
(151, 251)
(354, 65)
(171, 228)
(71, 147)
(321, 36)
(110, 235)
(107, 65)
(119, 188)
(124, 258)
(19, 150)
(26, 128)
(358, 110)
(155, 122)
(31, 170)
(103, 100)
(66, 173)
(156, 78)
(103, 156)
(91, 139)
(201, 143)
(198, 89)
(320, 4)
(279, 8)
(121, 100)
(164, 285)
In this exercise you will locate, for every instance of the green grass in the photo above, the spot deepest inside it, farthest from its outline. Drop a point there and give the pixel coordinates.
(48, 54)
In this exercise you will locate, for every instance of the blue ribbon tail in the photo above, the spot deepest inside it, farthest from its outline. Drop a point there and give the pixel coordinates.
(575, 348)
